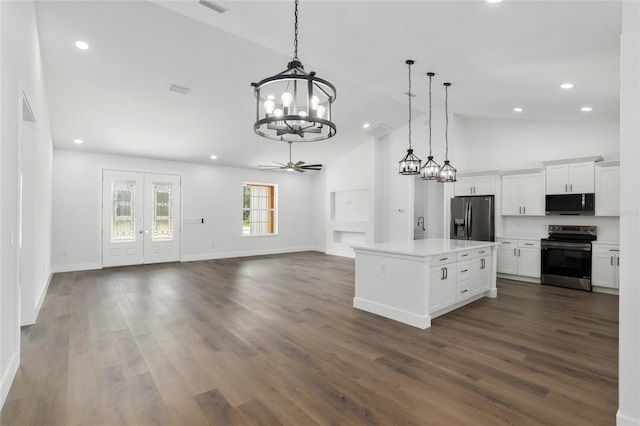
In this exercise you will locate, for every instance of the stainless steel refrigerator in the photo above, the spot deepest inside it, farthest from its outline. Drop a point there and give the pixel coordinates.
(472, 218)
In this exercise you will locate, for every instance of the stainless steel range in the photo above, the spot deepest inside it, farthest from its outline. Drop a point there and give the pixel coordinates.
(566, 256)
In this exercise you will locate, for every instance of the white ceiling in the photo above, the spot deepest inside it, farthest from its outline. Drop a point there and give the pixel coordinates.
(115, 95)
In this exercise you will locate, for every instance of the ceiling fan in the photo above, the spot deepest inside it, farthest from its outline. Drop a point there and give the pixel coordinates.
(300, 166)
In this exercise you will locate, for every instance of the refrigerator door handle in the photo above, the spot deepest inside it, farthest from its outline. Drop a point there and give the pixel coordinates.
(470, 223)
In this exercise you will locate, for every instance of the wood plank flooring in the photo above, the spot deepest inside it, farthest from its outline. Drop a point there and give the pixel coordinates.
(274, 340)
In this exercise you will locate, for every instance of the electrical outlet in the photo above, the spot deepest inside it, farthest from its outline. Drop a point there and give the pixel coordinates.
(383, 269)
(213, 244)
(64, 252)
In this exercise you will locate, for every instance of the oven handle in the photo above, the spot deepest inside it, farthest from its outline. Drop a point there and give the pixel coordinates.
(569, 246)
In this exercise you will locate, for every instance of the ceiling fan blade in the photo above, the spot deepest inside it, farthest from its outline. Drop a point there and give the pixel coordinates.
(283, 165)
(312, 166)
(299, 163)
(297, 169)
(268, 166)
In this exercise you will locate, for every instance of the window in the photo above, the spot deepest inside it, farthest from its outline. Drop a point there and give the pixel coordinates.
(259, 210)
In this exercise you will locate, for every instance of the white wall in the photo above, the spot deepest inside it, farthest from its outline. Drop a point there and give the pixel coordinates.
(21, 66)
(319, 211)
(495, 144)
(210, 192)
(629, 333)
(350, 200)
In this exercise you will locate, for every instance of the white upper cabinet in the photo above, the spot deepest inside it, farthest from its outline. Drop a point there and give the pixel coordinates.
(608, 190)
(475, 185)
(571, 178)
(523, 194)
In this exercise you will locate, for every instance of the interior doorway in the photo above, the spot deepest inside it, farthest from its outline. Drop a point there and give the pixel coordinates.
(141, 218)
(428, 209)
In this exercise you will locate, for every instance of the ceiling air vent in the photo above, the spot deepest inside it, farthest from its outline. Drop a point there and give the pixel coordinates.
(378, 130)
(179, 89)
(211, 5)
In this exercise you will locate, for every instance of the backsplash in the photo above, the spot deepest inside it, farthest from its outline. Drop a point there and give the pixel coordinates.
(537, 226)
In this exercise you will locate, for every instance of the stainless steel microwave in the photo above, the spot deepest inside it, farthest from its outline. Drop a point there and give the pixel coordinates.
(570, 204)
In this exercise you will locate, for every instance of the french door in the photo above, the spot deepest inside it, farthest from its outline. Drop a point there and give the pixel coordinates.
(140, 218)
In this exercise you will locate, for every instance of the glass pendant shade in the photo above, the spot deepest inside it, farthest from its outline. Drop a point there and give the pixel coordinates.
(294, 106)
(447, 173)
(410, 164)
(430, 170)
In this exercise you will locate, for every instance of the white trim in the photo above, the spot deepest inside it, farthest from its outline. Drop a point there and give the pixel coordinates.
(211, 256)
(8, 375)
(409, 318)
(622, 420)
(519, 278)
(77, 267)
(594, 158)
(43, 295)
(342, 253)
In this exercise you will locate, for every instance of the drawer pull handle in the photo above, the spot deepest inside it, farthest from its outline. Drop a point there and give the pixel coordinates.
(465, 270)
(444, 258)
(463, 255)
(483, 251)
(464, 291)
(528, 244)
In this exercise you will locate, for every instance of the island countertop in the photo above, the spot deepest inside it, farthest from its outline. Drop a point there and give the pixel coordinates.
(425, 248)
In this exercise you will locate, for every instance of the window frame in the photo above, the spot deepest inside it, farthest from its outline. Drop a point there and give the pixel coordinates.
(273, 223)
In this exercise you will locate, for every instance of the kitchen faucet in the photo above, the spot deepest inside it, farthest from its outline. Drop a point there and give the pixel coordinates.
(421, 219)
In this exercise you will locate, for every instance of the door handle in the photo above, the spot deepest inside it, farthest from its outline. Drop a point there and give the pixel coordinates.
(611, 260)
(514, 252)
(618, 261)
(442, 274)
(518, 252)
(566, 188)
(140, 232)
(571, 187)
(524, 209)
(482, 264)
(519, 210)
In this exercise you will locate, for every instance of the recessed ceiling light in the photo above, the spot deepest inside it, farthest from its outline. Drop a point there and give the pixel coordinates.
(494, 1)
(82, 45)
(566, 85)
(78, 141)
(517, 109)
(213, 157)
(366, 125)
(586, 109)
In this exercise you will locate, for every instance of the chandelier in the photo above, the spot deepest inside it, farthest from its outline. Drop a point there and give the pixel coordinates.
(294, 106)
(410, 164)
(447, 172)
(431, 169)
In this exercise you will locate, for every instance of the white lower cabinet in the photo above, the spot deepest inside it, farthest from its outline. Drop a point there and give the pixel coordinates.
(442, 288)
(605, 265)
(481, 274)
(519, 257)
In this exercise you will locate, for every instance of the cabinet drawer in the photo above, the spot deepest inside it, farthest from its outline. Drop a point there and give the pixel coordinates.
(464, 270)
(443, 259)
(529, 244)
(483, 252)
(463, 290)
(464, 255)
(507, 242)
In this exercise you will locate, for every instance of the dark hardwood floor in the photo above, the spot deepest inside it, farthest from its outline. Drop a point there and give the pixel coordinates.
(274, 340)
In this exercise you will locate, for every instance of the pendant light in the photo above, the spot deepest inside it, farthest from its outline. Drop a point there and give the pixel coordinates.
(410, 164)
(431, 169)
(447, 172)
(294, 106)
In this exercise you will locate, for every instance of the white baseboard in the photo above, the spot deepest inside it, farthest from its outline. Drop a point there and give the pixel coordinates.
(622, 420)
(43, 295)
(519, 278)
(342, 253)
(605, 290)
(227, 255)
(74, 268)
(8, 375)
(409, 318)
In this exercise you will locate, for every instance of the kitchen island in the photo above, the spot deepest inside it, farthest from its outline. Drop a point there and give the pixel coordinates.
(415, 281)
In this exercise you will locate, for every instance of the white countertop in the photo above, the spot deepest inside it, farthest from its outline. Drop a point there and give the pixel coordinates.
(424, 248)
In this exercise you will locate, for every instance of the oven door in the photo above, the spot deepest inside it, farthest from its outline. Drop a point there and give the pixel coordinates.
(566, 264)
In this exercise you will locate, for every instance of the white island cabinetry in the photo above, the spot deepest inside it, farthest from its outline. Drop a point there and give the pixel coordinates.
(415, 281)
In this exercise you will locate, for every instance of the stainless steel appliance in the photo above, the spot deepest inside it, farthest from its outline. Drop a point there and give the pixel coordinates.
(566, 256)
(570, 204)
(472, 218)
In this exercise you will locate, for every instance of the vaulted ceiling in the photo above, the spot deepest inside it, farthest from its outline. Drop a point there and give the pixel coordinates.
(115, 95)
